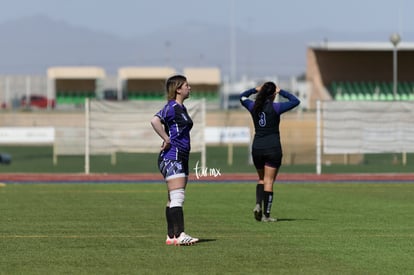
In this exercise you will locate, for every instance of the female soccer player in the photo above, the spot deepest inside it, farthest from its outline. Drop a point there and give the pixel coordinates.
(173, 124)
(266, 146)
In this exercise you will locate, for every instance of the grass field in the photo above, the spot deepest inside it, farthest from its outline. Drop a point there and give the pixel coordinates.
(341, 228)
(39, 159)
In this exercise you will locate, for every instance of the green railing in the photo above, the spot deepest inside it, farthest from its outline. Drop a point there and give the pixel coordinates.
(143, 95)
(73, 97)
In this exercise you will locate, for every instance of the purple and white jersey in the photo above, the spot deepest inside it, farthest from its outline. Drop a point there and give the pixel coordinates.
(177, 124)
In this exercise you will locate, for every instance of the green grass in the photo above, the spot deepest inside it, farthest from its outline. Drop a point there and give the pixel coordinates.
(32, 159)
(120, 229)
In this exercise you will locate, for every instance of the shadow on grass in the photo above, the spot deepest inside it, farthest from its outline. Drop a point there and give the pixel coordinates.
(206, 240)
(293, 220)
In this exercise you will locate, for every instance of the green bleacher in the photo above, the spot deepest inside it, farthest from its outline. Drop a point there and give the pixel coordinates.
(145, 95)
(208, 96)
(73, 97)
(151, 95)
(370, 90)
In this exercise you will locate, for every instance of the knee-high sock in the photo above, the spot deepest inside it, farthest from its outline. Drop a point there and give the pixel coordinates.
(177, 216)
(268, 199)
(259, 194)
(170, 223)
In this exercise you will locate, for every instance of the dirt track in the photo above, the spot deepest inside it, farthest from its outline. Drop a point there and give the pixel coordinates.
(140, 178)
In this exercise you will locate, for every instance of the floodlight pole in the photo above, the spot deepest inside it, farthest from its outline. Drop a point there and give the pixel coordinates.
(395, 39)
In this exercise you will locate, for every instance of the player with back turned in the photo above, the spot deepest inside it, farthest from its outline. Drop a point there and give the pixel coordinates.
(266, 147)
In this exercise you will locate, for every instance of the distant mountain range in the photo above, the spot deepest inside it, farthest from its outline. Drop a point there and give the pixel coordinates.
(32, 44)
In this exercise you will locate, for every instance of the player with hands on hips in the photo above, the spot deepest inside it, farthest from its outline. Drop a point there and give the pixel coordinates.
(173, 124)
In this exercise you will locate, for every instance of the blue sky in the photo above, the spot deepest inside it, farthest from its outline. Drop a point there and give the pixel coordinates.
(129, 18)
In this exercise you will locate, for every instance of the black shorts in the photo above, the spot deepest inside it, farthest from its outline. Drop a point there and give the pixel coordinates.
(270, 157)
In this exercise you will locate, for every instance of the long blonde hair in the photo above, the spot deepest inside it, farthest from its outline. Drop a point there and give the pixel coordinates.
(173, 84)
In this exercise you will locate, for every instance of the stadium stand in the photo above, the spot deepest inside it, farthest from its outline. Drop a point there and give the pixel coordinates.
(71, 85)
(143, 83)
(204, 82)
(147, 83)
(359, 71)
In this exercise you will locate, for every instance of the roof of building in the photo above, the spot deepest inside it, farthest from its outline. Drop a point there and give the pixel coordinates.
(145, 72)
(203, 75)
(360, 46)
(81, 72)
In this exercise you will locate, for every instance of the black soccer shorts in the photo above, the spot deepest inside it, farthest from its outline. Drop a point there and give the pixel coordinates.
(267, 157)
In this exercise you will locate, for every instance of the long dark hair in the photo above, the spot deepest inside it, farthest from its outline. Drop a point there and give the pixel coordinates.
(266, 92)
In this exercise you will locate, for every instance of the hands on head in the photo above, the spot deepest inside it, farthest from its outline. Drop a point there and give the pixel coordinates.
(258, 88)
(277, 89)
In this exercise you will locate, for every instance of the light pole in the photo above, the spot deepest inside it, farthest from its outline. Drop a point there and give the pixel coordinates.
(168, 52)
(395, 39)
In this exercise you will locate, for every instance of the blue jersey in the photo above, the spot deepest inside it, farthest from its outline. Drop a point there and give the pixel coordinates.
(177, 124)
(266, 122)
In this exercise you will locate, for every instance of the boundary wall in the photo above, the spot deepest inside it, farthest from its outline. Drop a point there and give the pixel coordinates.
(298, 130)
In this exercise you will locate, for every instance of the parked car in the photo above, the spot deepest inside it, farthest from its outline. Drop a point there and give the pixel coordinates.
(37, 101)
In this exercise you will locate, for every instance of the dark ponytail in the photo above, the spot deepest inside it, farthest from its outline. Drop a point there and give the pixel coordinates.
(266, 92)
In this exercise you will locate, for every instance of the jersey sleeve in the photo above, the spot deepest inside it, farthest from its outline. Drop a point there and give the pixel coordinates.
(165, 114)
(244, 99)
(281, 107)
